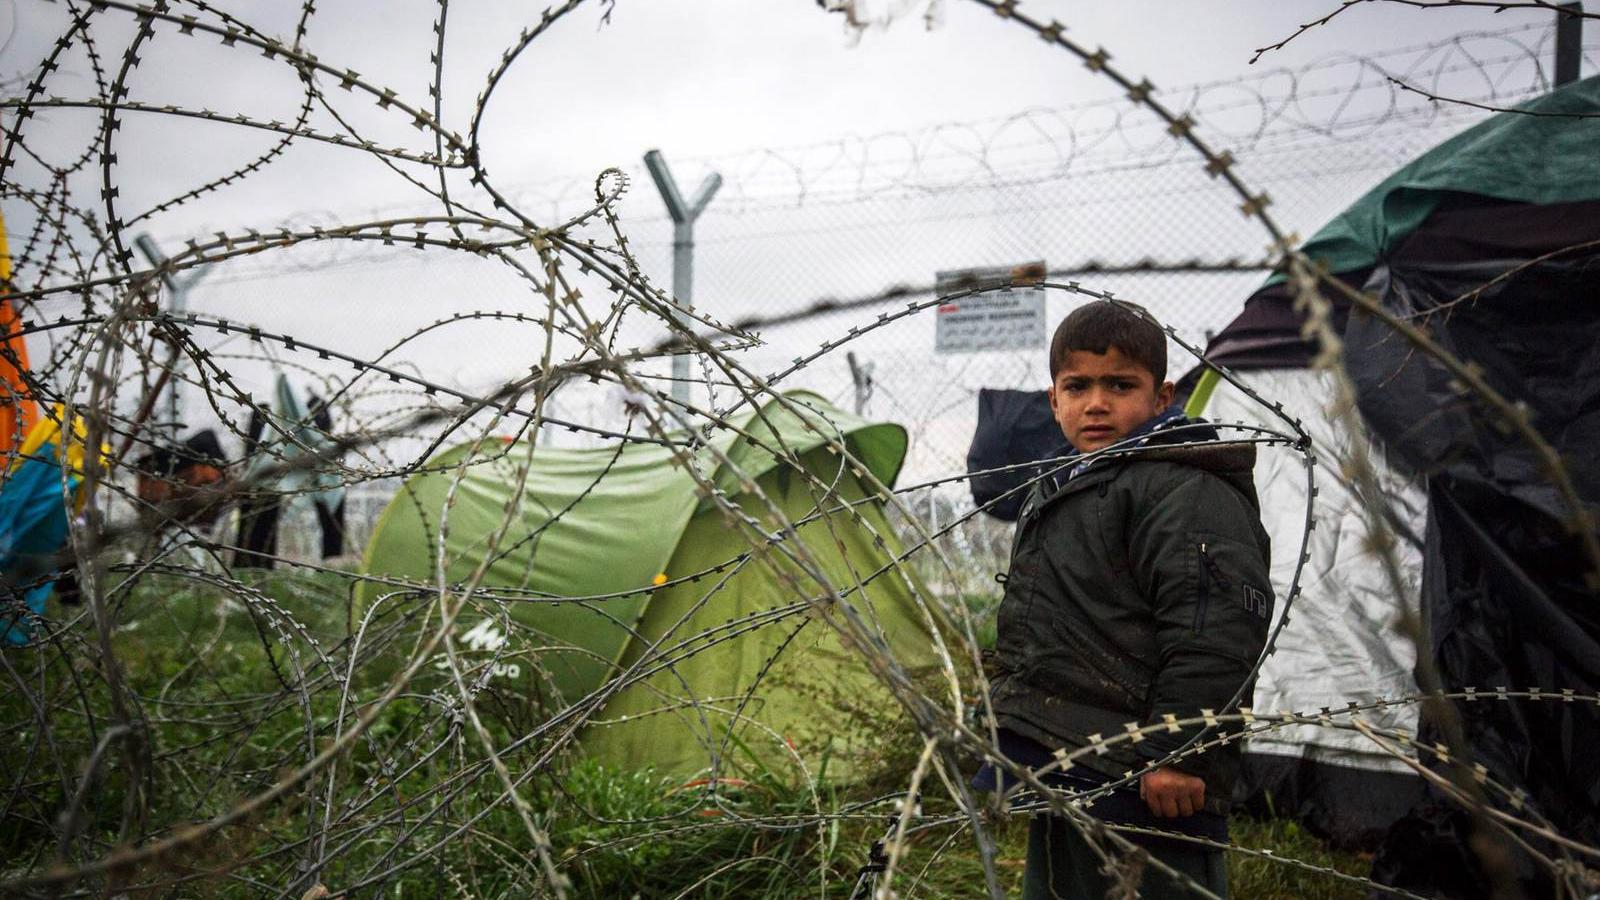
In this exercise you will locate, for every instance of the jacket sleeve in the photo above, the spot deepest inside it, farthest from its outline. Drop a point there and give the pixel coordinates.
(1200, 558)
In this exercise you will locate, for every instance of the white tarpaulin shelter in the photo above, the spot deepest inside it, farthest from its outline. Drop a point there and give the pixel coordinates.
(1342, 644)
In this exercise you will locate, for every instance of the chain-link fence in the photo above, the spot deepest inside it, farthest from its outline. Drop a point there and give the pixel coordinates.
(1099, 191)
(387, 703)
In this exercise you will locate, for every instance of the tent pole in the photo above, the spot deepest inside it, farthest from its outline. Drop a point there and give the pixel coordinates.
(177, 304)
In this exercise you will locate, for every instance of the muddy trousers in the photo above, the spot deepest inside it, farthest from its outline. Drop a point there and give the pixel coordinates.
(1062, 866)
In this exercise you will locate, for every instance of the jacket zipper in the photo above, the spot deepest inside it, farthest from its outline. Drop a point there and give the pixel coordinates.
(1208, 571)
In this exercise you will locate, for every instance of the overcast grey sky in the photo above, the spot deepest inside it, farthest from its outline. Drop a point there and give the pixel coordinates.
(692, 77)
(698, 79)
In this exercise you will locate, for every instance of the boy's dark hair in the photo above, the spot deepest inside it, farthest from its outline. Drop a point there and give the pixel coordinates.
(1097, 327)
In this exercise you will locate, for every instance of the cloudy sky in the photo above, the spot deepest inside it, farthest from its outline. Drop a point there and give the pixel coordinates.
(694, 77)
(711, 83)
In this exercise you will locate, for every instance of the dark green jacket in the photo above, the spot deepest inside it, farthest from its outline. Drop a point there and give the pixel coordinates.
(1137, 588)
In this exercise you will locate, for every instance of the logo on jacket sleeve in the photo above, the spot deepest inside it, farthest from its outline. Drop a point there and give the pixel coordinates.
(1257, 602)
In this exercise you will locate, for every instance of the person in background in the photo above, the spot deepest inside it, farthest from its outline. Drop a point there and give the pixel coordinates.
(182, 475)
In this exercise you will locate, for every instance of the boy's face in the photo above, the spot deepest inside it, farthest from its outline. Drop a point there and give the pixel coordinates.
(1098, 398)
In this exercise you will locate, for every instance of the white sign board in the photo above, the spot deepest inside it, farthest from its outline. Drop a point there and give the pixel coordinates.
(1006, 319)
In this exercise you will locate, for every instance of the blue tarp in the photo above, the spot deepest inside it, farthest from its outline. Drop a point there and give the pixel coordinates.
(33, 529)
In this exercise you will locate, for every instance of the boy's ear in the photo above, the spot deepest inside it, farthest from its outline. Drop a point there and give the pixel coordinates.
(1164, 394)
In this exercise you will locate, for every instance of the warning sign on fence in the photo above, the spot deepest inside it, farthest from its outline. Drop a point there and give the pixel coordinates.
(1011, 318)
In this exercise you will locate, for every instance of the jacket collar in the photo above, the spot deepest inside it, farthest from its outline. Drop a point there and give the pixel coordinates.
(1151, 431)
(1170, 436)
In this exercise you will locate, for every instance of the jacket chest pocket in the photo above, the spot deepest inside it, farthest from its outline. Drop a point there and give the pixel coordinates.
(1111, 519)
(1229, 584)
(1030, 561)
(1209, 578)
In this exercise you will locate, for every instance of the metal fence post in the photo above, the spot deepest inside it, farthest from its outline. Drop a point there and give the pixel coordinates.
(1569, 42)
(177, 303)
(861, 377)
(683, 217)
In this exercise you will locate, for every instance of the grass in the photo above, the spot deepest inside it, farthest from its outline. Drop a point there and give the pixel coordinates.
(1250, 876)
(218, 681)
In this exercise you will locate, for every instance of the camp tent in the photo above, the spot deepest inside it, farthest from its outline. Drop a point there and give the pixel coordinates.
(1513, 183)
(738, 668)
(1489, 241)
(1506, 192)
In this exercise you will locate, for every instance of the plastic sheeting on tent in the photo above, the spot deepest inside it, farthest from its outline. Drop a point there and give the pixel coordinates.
(1508, 592)
(752, 671)
(1341, 645)
(1489, 241)
(35, 499)
(1542, 155)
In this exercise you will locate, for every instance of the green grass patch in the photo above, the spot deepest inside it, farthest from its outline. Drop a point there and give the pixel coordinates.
(1254, 877)
(236, 694)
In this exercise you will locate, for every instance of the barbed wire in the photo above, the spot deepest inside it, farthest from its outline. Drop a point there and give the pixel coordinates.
(177, 715)
(1349, 98)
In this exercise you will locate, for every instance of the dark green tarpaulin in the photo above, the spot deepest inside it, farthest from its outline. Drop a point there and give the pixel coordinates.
(1544, 154)
(1547, 153)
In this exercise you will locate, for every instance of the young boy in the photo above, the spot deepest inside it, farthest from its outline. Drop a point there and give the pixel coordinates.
(1137, 588)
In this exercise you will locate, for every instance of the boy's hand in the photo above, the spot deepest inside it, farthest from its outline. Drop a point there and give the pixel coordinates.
(1171, 794)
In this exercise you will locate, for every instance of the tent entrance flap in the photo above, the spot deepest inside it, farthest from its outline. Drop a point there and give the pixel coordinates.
(744, 668)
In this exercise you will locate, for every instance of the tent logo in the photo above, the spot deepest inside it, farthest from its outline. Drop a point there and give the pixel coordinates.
(483, 637)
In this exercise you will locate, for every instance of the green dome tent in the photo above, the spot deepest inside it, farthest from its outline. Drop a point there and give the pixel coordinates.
(724, 639)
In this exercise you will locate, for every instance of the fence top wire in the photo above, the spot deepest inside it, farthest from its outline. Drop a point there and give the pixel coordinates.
(1348, 98)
